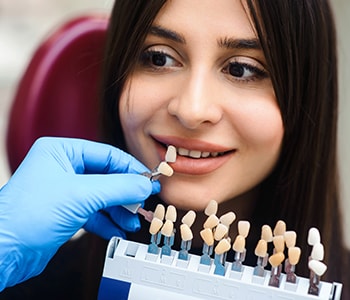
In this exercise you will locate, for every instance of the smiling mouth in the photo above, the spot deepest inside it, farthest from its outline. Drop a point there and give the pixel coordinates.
(190, 153)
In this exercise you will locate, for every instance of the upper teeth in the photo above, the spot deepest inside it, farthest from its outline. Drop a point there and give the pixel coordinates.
(196, 153)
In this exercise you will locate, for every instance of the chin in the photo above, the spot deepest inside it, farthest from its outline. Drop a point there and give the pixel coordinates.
(182, 203)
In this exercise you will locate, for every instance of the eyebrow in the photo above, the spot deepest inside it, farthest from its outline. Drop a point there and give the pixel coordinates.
(166, 33)
(232, 43)
(228, 43)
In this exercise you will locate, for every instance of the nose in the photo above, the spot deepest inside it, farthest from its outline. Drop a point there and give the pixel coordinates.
(196, 100)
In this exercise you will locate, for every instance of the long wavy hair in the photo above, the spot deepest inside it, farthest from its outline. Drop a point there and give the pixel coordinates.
(299, 42)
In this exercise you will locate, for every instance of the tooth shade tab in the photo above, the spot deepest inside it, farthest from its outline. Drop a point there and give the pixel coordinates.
(211, 222)
(170, 155)
(290, 237)
(239, 244)
(186, 232)
(318, 267)
(189, 218)
(228, 218)
(207, 236)
(171, 214)
(165, 169)
(159, 212)
(276, 259)
(278, 242)
(317, 252)
(220, 232)
(280, 228)
(294, 255)
(212, 208)
(155, 226)
(266, 233)
(314, 236)
(243, 228)
(261, 248)
(167, 229)
(222, 247)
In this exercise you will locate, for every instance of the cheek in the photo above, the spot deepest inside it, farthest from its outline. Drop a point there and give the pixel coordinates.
(261, 125)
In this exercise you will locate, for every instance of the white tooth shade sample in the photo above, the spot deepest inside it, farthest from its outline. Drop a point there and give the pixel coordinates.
(317, 252)
(314, 236)
(243, 228)
(318, 267)
(170, 155)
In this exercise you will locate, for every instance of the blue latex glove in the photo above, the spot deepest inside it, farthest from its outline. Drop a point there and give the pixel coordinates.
(62, 185)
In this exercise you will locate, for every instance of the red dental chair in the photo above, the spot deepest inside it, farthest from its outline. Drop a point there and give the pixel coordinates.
(58, 93)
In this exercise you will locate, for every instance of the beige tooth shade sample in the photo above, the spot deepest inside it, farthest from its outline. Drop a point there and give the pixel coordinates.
(290, 238)
(239, 244)
(266, 233)
(159, 212)
(280, 228)
(294, 255)
(212, 208)
(228, 218)
(186, 233)
(171, 213)
(211, 222)
(170, 155)
(155, 226)
(189, 218)
(207, 236)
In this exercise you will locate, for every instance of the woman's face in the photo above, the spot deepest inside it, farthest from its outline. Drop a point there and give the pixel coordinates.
(202, 85)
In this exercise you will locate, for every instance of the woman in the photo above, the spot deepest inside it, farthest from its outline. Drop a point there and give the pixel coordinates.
(195, 57)
(250, 87)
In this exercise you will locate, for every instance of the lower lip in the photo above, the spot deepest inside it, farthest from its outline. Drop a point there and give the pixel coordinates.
(195, 166)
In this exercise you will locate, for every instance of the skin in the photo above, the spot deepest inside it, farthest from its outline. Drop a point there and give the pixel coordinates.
(202, 84)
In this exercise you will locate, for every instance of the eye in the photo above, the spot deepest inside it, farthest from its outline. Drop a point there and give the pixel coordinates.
(245, 71)
(158, 59)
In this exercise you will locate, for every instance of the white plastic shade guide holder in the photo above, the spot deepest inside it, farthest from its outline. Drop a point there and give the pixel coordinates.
(131, 273)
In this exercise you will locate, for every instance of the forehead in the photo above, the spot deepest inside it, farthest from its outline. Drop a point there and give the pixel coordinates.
(207, 17)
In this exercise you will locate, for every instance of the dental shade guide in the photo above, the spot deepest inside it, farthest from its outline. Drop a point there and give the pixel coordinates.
(180, 274)
(163, 169)
(128, 271)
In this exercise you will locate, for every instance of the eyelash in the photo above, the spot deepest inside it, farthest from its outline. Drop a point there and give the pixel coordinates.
(257, 73)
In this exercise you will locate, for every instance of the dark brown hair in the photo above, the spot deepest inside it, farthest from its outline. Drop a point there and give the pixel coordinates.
(299, 42)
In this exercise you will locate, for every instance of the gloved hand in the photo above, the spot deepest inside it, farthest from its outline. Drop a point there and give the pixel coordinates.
(62, 185)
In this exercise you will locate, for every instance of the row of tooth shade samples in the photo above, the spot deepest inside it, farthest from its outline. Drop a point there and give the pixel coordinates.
(217, 242)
